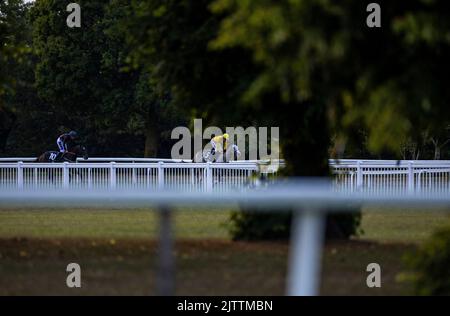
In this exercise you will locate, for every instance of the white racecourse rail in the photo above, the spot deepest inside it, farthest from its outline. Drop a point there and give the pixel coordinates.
(387, 176)
(392, 176)
(123, 175)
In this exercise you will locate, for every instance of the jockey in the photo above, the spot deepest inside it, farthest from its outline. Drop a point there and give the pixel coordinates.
(219, 143)
(64, 141)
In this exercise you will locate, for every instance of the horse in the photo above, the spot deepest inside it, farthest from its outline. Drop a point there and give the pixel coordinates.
(232, 153)
(70, 156)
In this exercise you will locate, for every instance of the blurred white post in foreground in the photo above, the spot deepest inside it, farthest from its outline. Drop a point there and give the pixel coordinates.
(305, 253)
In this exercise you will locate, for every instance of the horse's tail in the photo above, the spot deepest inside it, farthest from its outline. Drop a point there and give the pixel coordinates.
(39, 158)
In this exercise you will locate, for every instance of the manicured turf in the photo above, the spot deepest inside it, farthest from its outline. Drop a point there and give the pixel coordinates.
(402, 225)
(385, 226)
(108, 224)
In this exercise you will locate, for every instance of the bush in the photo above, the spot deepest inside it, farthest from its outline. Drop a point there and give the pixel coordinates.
(430, 264)
(248, 225)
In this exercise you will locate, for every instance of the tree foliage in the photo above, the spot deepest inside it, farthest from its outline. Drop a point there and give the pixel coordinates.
(170, 39)
(391, 79)
(430, 274)
(82, 75)
(12, 40)
(14, 49)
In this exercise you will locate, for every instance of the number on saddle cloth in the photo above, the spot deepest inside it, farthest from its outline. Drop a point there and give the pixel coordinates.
(207, 156)
(52, 156)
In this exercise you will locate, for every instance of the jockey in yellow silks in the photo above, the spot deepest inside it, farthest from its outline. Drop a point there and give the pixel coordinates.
(219, 143)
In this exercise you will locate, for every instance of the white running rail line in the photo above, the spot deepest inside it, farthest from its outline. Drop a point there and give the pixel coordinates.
(138, 160)
(391, 176)
(88, 175)
(388, 176)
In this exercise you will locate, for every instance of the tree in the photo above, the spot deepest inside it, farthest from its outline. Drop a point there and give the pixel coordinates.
(311, 67)
(391, 78)
(318, 57)
(13, 54)
(170, 40)
(174, 41)
(151, 113)
(81, 74)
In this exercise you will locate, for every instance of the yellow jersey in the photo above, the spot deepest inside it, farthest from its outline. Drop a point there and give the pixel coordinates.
(219, 140)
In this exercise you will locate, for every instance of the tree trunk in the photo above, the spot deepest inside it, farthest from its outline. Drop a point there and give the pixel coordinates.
(151, 138)
(7, 121)
(437, 153)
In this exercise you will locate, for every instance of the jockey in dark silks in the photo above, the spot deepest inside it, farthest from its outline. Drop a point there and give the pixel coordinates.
(64, 142)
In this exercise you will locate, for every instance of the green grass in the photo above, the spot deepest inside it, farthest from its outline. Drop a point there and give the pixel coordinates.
(402, 225)
(384, 226)
(78, 223)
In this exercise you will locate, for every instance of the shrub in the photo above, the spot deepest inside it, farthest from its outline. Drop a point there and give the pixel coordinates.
(431, 265)
(248, 225)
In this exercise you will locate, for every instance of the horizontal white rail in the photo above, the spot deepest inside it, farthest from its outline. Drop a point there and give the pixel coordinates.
(332, 162)
(310, 193)
(99, 159)
(391, 163)
(395, 177)
(370, 175)
(139, 160)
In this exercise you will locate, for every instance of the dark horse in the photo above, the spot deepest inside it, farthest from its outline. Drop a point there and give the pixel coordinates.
(70, 156)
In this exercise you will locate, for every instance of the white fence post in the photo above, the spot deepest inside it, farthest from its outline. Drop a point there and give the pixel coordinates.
(65, 175)
(209, 177)
(419, 181)
(161, 175)
(359, 176)
(133, 172)
(306, 252)
(410, 177)
(112, 175)
(89, 178)
(20, 175)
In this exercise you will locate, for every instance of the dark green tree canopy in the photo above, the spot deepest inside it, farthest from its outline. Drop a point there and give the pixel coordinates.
(83, 75)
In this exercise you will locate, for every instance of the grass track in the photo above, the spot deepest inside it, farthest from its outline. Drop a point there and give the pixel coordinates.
(395, 226)
(402, 225)
(108, 224)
